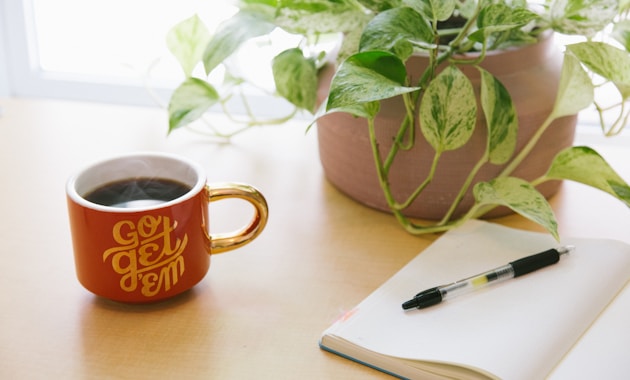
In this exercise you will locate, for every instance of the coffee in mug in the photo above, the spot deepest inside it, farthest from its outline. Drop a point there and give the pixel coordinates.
(140, 225)
(137, 192)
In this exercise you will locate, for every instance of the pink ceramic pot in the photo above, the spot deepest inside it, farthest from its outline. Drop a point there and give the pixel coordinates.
(531, 74)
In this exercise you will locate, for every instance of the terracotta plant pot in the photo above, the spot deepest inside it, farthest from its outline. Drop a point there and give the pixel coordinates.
(531, 74)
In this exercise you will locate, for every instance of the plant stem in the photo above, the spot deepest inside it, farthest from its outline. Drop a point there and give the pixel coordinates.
(475, 61)
(539, 180)
(423, 185)
(477, 211)
(464, 188)
(620, 122)
(380, 169)
(417, 229)
(251, 118)
(531, 143)
(469, 24)
(410, 107)
(382, 176)
(383, 168)
(406, 128)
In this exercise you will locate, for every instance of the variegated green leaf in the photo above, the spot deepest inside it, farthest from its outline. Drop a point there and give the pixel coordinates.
(500, 14)
(365, 110)
(501, 119)
(621, 32)
(295, 77)
(380, 5)
(624, 90)
(500, 18)
(436, 10)
(189, 102)
(393, 30)
(187, 42)
(467, 8)
(583, 164)
(231, 34)
(575, 91)
(582, 17)
(349, 44)
(605, 60)
(448, 110)
(521, 197)
(311, 17)
(367, 77)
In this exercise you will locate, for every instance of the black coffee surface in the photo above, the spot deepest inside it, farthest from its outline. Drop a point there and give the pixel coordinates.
(137, 192)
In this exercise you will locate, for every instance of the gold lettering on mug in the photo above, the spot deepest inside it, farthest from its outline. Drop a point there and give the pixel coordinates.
(146, 255)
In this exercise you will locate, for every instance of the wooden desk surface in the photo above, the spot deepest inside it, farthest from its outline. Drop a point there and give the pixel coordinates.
(260, 310)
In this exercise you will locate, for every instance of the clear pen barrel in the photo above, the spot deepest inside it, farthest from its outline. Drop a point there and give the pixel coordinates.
(475, 282)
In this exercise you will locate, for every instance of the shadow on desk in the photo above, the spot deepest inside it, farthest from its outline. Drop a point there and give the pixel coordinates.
(100, 303)
(168, 339)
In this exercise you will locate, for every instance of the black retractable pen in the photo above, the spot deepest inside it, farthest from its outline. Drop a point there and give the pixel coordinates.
(516, 268)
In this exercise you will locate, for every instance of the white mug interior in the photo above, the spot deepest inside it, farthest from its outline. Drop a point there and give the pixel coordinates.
(137, 165)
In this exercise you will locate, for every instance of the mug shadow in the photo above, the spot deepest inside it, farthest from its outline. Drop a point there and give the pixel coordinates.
(154, 340)
(171, 303)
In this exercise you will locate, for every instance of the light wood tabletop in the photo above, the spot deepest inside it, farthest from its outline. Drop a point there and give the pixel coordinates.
(261, 309)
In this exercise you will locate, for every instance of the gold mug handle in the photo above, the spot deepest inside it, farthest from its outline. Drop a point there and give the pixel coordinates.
(223, 242)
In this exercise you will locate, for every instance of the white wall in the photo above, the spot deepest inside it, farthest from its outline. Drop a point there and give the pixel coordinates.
(5, 88)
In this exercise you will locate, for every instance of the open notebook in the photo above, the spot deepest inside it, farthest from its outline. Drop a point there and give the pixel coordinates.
(543, 324)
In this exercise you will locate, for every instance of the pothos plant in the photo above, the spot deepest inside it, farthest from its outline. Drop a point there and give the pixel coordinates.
(378, 36)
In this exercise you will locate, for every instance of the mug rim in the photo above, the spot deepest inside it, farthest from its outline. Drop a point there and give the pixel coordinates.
(75, 196)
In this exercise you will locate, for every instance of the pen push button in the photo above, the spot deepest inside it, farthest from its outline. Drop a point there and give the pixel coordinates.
(534, 262)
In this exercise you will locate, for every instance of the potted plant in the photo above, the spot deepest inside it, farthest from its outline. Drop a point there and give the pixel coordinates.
(440, 111)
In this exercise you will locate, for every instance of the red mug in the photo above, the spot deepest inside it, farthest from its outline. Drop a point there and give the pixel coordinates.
(140, 225)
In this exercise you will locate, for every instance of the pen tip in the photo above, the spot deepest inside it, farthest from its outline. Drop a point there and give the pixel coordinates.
(424, 299)
(566, 249)
(412, 303)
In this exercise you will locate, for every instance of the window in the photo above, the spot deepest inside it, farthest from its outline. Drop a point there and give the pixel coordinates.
(108, 51)
(111, 51)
